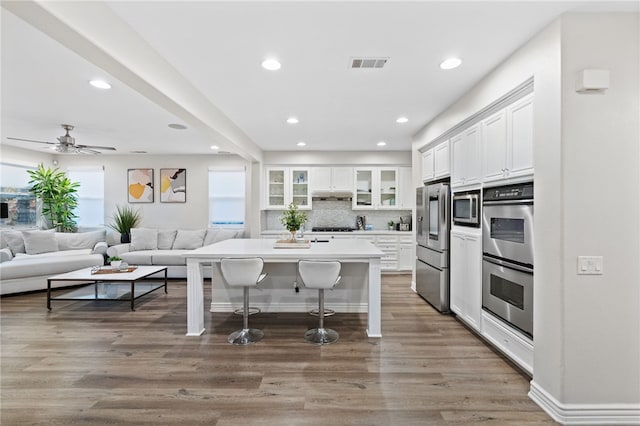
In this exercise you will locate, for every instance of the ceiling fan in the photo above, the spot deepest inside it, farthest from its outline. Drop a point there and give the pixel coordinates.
(67, 144)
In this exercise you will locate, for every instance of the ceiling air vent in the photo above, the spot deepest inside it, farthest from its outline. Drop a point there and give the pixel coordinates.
(368, 62)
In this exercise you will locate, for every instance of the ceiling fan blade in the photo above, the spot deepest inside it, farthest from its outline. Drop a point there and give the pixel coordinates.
(109, 148)
(84, 150)
(31, 140)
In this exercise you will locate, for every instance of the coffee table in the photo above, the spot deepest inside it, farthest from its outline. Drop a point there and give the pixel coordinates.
(109, 286)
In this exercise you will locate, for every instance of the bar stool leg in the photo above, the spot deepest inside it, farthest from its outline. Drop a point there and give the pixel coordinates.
(321, 335)
(247, 335)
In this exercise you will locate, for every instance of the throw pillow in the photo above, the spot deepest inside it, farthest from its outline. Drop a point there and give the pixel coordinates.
(189, 240)
(80, 240)
(36, 242)
(5, 255)
(166, 238)
(215, 235)
(14, 241)
(144, 239)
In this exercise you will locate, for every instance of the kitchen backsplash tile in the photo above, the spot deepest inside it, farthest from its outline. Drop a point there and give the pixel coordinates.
(336, 213)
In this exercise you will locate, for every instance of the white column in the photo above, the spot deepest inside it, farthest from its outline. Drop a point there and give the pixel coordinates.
(195, 298)
(374, 328)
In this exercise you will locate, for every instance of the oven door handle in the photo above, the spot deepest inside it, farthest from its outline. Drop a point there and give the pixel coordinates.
(506, 202)
(507, 264)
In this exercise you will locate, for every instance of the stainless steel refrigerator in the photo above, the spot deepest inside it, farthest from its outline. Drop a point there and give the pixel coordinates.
(432, 263)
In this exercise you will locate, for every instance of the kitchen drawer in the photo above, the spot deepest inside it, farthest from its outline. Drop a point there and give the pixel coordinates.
(512, 343)
(387, 239)
(388, 265)
(407, 240)
(371, 238)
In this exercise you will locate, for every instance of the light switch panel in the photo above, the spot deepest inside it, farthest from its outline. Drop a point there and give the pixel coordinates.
(590, 265)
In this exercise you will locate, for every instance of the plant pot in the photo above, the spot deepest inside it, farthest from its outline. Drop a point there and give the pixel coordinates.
(125, 238)
(115, 264)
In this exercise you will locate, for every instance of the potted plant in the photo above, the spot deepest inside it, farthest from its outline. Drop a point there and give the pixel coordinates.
(59, 197)
(115, 261)
(391, 225)
(124, 219)
(293, 219)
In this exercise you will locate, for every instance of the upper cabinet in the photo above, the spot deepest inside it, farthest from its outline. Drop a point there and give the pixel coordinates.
(466, 157)
(332, 179)
(376, 188)
(508, 141)
(436, 162)
(287, 185)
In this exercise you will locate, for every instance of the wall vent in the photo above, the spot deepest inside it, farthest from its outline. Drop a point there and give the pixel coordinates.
(368, 62)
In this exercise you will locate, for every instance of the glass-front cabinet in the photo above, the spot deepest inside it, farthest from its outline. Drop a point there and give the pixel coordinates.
(376, 188)
(286, 185)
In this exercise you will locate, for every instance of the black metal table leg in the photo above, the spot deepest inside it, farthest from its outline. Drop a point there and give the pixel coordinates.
(133, 283)
(165, 281)
(49, 294)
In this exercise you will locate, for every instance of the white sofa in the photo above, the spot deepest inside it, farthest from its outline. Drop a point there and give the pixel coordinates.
(166, 247)
(28, 258)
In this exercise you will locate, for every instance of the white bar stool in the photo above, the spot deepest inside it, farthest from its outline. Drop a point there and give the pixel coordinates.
(323, 275)
(244, 272)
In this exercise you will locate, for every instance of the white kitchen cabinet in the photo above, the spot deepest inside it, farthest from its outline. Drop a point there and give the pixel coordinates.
(285, 185)
(466, 276)
(428, 165)
(441, 160)
(376, 188)
(406, 256)
(508, 142)
(494, 131)
(436, 162)
(331, 179)
(515, 345)
(466, 157)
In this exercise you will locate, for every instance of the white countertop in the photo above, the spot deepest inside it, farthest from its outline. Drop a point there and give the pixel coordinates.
(373, 232)
(342, 249)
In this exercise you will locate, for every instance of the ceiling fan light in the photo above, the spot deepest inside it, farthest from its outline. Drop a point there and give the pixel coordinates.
(100, 84)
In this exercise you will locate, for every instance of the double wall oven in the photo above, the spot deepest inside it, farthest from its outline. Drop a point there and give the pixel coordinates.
(507, 267)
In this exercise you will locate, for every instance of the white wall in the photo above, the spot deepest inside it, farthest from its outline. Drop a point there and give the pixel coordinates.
(325, 158)
(601, 180)
(23, 157)
(586, 157)
(192, 214)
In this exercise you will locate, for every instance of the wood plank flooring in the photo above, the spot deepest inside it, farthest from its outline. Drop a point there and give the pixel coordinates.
(88, 363)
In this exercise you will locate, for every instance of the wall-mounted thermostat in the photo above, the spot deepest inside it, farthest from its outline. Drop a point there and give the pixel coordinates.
(592, 80)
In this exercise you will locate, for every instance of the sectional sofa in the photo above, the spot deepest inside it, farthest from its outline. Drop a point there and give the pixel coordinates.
(166, 247)
(28, 258)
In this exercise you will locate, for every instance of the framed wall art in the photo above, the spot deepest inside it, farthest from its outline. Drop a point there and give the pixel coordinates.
(173, 185)
(140, 185)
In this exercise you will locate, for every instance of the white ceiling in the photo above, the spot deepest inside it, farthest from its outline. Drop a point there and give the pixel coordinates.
(217, 48)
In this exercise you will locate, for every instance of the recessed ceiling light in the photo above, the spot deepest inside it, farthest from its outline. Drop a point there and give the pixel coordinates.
(301, 143)
(402, 120)
(100, 84)
(450, 63)
(271, 64)
(382, 143)
(292, 120)
(215, 147)
(177, 126)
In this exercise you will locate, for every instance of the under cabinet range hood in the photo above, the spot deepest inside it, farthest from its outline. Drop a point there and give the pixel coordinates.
(331, 195)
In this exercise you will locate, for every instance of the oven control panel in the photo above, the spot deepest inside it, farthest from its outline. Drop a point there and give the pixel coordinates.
(511, 192)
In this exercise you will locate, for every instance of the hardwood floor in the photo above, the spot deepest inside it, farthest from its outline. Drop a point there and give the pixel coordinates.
(88, 363)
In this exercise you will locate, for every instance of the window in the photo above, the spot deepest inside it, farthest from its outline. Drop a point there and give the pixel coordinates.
(90, 210)
(226, 197)
(14, 190)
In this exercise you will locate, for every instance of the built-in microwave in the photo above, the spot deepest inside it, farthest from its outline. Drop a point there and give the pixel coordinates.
(466, 208)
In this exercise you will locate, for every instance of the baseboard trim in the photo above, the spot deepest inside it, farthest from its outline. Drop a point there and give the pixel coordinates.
(585, 414)
(355, 308)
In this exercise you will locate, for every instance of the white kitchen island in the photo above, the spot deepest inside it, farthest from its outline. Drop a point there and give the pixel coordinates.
(361, 276)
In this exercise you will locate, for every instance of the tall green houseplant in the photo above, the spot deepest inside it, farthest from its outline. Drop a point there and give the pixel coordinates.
(59, 196)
